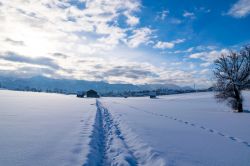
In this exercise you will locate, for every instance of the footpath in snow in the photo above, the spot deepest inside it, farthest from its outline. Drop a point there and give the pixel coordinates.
(113, 143)
(190, 129)
(50, 129)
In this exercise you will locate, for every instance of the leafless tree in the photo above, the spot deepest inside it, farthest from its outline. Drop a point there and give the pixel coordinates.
(232, 73)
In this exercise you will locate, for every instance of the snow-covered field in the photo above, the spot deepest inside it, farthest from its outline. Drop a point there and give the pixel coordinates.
(56, 130)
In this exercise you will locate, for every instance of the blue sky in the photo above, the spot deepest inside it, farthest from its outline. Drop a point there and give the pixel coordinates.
(208, 23)
(119, 41)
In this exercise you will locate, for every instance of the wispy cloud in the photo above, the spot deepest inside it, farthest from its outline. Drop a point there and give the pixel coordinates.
(240, 9)
(60, 55)
(188, 14)
(87, 39)
(167, 45)
(130, 72)
(139, 36)
(14, 57)
(14, 42)
(209, 56)
(132, 20)
(162, 15)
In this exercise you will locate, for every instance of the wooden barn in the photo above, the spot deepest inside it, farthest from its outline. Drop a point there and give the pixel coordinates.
(92, 93)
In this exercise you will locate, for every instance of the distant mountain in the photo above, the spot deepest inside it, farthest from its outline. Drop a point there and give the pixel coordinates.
(72, 86)
(160, 86)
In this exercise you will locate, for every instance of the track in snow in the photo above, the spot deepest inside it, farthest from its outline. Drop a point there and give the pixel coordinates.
(212, 131)
(114, 144)
(81, 146)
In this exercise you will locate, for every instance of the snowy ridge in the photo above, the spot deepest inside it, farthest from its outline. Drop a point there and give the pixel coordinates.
(113, 143)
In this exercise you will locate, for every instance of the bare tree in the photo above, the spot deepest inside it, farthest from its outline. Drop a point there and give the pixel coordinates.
(232, 72)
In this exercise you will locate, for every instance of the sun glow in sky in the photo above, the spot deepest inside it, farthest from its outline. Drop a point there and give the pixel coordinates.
(120, 41)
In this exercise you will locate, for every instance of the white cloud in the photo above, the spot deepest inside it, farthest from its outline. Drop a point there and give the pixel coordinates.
(132, 20)
(190, 49)
(162, 15)
(164, 45)
(206, 64)
(240, 9)
(59, 26)
(205, 48)
(58, 39)
(176, 63)
(204, 71)
(208, 57)
(48, 28)
(168, 45)
(184, 51)
(178, 41)
(189, 14)
(139, 36)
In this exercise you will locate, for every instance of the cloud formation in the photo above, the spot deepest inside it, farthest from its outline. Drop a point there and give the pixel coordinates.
(85, 39)
(139, 36)
(166, 45)
(240, 9)
(189, 15)
(14, 42)
(162, 15)
(13, 57)
(208, 56)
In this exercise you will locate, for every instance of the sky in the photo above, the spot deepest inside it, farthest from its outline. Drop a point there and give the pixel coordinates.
(120, 41)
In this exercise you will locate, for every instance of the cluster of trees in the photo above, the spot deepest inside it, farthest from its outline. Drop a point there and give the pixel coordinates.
(141, 93)
(232, 73)
(31, 89)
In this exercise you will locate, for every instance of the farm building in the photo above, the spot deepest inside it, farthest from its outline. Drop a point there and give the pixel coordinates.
(152, 95)
(92, 93)
(80, 94)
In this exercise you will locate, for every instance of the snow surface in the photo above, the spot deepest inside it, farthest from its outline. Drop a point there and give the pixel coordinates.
(188, 129)
(38, 129)
(177, 130)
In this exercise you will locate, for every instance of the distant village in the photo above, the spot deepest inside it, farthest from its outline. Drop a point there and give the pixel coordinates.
(95, 94)
(81, 88)
(143, 93)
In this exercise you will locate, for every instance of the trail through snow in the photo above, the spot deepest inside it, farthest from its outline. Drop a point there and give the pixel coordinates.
(213, 131)
(113, 143)
(190, 129)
